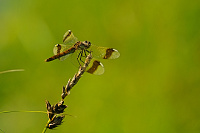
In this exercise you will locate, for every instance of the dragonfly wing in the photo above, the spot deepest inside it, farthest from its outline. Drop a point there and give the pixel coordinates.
(69, 38)
(73, 59)
(95, 67)
(104, 52)
(59, 48)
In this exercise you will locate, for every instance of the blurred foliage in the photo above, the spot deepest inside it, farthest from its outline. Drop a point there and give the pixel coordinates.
(153, 87)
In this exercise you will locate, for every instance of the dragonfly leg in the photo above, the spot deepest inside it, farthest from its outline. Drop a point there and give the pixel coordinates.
(88, 51)
(84, 51)
(80, 53)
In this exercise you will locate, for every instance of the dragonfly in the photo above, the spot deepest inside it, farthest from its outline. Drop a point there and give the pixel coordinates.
(80, 49)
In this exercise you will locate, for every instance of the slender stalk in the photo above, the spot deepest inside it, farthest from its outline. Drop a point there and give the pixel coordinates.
(7, 71)
(45, 128)
(23, 111)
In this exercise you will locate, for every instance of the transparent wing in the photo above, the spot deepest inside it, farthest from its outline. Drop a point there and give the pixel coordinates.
(104, 52)
(73, 59)
(59, 48)
(69, 38)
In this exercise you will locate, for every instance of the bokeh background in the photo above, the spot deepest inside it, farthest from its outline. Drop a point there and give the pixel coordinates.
(152, 88)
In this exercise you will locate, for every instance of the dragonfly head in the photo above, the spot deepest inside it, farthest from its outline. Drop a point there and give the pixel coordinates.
(85, 45)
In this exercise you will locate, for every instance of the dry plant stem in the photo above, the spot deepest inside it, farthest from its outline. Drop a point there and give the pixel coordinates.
(58, 108)
(75, 79)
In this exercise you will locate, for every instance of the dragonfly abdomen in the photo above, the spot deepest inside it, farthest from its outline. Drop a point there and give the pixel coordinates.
(69, 51)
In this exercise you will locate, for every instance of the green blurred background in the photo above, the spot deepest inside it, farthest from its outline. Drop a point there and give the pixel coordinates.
(152, 88)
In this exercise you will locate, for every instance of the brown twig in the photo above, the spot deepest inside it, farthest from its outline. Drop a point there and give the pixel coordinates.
(58, 108)
(75, 79)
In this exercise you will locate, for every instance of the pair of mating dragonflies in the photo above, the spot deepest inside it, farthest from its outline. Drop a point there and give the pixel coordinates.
(74, 48)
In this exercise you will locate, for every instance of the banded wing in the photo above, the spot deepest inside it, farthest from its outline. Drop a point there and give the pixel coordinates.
(104, 52)
(95, 67)
(69, 38)
(59, 48)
